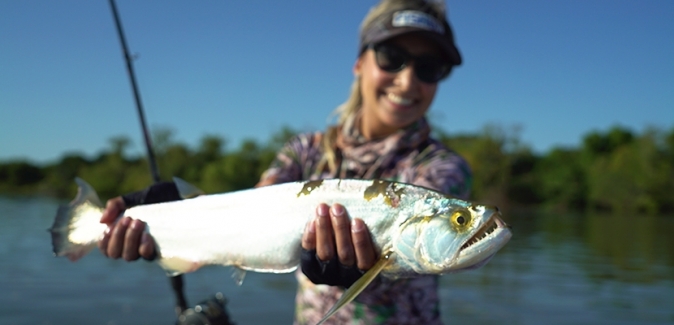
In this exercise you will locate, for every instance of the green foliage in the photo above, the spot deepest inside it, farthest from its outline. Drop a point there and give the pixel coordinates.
(235, 171)
(561, 179)
(503, 169)
(20, 176)
(59, 176)
(524, 185)
(598, 144)
(487, 159)
(616, 170)
(632, 177)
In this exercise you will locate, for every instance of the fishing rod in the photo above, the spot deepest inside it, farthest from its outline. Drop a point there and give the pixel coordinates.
(176, 281)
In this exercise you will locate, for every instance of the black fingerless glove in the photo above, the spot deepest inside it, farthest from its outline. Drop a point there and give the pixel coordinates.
(156, 193)
(331, 272)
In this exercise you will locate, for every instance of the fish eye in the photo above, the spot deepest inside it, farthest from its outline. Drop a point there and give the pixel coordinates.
(460, 218)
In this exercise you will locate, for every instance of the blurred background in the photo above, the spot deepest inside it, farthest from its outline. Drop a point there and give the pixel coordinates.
(564, 110)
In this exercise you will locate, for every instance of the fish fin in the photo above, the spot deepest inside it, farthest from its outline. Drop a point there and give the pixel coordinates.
(86, 193)
(77, 227)
(187, 190)
(238, 274)
(358, 286)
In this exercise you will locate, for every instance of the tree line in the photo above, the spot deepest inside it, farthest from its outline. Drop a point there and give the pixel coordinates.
(616, 170)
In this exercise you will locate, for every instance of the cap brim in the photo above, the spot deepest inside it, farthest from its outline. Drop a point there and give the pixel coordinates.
(446, 46)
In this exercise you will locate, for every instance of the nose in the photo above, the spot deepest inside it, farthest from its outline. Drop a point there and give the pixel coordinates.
(406, 78)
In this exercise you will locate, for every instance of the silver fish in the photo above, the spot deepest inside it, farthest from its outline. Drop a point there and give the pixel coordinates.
(415, 230)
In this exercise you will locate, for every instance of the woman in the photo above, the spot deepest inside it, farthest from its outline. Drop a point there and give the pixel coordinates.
(406, 48)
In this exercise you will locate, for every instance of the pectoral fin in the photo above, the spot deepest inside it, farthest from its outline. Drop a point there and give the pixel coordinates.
(238, 275)
(358, 286)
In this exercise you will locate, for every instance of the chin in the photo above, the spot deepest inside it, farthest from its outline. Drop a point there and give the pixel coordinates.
(400, 122)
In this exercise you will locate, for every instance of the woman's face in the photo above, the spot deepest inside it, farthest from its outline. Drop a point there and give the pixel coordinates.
(394, 100)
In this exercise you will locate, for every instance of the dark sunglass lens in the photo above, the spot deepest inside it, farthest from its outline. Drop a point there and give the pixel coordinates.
(390, 58)
(431, 70)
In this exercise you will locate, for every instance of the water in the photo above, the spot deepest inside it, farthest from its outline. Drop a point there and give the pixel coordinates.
(557, 269)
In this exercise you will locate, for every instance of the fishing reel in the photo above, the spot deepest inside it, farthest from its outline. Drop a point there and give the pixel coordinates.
(211, 311)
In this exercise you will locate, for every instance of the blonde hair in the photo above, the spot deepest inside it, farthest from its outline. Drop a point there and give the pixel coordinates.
(351, 106)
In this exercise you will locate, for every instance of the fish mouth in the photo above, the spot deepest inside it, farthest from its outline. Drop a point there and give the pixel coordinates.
(487, 228)
(489, 238)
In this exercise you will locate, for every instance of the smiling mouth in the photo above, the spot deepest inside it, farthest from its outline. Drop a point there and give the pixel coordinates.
(489, 227)
(399, 100)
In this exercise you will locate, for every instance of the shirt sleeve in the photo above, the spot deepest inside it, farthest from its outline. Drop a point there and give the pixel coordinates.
(293, 160)
(441, 169)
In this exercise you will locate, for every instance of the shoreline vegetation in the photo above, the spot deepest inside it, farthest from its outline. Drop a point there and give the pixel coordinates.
(616, 170)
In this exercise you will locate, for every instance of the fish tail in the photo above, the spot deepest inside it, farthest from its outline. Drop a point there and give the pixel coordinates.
(77, 227)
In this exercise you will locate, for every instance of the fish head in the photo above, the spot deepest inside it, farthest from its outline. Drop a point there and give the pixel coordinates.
(447, 235)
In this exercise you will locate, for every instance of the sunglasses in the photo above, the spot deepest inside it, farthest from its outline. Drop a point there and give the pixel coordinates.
(428, 69)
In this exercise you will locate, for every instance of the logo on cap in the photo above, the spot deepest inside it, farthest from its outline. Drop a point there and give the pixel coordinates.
(410, 18)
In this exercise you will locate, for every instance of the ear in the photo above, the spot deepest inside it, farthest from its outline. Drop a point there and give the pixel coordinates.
(358, 65)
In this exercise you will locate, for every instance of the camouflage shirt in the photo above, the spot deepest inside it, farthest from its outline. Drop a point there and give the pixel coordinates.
(409, 156)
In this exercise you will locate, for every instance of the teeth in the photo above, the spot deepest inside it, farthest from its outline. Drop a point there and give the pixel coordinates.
(399, 99)
(484, 232)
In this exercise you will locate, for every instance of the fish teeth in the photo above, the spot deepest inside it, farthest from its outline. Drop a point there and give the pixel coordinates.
(482, 234)
(399, 99)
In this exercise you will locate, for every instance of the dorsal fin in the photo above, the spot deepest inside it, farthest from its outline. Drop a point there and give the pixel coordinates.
(86, 193)
(187, 190)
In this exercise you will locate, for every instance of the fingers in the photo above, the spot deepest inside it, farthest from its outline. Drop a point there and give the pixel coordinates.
(132, 239)
(113, 208)
(103, 243)
(332, 232)
(309, 236)
(147, 247)
(363, 246)
(115, 238)
(342, 232)
(128, 240)
(325, 245)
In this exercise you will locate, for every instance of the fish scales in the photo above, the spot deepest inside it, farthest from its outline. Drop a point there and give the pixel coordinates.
(415, 230)
(258, 230)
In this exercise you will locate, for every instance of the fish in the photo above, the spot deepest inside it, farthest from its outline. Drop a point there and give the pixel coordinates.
(415, 230)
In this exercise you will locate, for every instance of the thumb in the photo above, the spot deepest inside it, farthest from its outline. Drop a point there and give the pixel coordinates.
(112, 210)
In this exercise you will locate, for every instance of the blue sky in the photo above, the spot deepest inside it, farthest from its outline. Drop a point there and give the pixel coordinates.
(244, 69)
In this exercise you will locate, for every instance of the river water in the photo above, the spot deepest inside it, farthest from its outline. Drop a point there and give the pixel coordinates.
(557, 269)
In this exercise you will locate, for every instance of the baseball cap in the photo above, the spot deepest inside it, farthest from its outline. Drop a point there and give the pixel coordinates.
(411, 17)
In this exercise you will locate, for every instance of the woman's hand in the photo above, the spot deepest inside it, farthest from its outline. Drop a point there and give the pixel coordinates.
(126, 238)
(331, 234)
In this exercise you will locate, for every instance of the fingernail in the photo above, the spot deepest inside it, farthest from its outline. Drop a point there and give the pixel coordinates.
(107, 231)
(136, 224)
(126, 221)
(145, 238)
(356, 226)
(310, 226)
(337, 210)
(322, 210)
